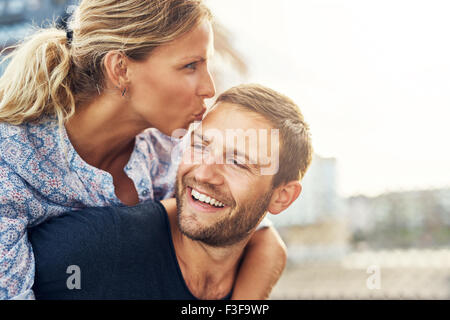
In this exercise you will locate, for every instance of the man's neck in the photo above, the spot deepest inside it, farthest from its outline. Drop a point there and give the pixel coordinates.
(209, 272)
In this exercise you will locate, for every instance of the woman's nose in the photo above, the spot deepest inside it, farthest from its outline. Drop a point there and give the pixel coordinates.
(207, 87)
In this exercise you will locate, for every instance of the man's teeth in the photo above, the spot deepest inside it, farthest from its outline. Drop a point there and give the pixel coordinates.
(204, 198)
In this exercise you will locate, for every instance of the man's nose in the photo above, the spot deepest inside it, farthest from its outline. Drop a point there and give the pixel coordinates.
(209, 172)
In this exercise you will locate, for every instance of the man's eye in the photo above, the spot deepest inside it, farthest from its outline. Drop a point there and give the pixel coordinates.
(237, 163)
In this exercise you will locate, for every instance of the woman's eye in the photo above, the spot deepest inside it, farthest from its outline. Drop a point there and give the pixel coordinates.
(191, 66)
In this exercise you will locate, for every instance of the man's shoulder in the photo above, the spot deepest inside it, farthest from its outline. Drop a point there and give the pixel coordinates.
(122, 252)
(103, 224)
(148, 219)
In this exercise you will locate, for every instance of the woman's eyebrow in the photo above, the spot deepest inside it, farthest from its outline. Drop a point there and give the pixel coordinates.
(190, 58)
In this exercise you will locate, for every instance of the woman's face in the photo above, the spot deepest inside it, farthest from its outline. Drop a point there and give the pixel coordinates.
(167, 90)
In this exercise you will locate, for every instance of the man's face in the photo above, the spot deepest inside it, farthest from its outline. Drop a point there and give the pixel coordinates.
(221, 193)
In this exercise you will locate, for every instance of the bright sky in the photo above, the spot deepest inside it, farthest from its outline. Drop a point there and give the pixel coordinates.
(372, 78)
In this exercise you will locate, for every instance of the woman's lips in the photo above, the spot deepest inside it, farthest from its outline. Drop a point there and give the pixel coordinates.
(199, 116)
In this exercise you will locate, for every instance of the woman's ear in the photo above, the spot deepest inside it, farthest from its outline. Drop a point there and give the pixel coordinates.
(283, 196)
(116, 67)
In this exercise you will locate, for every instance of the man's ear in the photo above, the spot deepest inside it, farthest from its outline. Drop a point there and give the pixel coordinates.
(283, 196)
(116, 67)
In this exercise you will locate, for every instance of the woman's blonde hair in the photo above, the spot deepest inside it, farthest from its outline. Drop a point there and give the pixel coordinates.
(47, 75)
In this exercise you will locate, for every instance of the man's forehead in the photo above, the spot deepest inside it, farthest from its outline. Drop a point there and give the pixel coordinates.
(225, 115)
(227, 122)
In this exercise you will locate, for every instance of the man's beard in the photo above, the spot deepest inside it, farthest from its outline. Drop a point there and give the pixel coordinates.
(234, 227)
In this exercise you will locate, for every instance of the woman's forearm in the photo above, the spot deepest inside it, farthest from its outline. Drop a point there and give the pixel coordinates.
(263, 263)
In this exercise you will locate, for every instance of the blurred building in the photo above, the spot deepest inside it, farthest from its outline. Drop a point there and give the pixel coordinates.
(418, 218)
(19, 18)
(318, 201)
(313, 227)
(408, 209)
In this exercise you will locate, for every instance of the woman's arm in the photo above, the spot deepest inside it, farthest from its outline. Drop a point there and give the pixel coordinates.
(16, 254)
(16, 260)
(263, 262)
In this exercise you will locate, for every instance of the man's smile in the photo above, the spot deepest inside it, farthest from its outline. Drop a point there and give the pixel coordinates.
(203, 202)
(206, 199)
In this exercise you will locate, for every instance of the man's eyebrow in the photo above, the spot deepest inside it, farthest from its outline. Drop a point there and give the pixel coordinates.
(248, 161)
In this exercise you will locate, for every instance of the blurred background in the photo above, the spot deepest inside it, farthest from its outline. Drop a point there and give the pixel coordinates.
(372, 79)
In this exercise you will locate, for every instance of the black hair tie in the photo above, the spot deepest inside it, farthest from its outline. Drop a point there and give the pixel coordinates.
(69, 35)
(63, 24)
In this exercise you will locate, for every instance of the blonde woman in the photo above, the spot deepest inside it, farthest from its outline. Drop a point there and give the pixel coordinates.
(78, 117)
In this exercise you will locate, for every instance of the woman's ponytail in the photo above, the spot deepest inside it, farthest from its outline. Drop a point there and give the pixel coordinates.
(37, 79)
